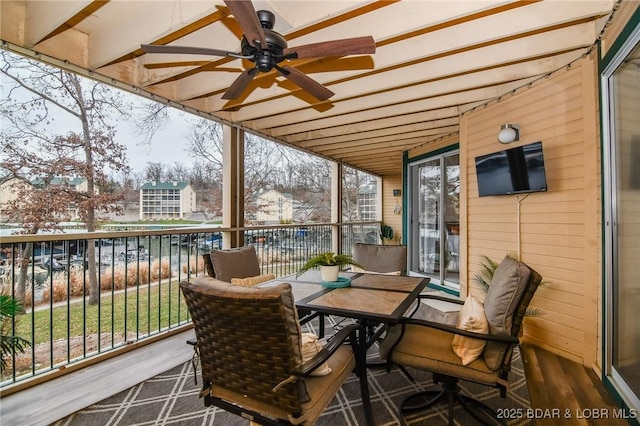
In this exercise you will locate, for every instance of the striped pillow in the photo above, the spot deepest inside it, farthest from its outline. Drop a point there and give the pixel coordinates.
(252, 281)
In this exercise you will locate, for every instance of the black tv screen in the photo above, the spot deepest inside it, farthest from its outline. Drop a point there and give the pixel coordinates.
(512, 171)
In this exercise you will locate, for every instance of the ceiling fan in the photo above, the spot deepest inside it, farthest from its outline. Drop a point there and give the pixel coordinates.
(267, 49)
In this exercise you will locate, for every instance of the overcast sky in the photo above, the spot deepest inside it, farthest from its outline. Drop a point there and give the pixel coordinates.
(167, 146)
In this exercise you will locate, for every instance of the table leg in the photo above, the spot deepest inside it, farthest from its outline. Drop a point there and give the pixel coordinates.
(321, 325)
(361, 366)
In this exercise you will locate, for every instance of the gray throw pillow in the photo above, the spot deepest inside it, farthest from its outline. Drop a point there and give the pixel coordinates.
(241, 262)
(505, 292)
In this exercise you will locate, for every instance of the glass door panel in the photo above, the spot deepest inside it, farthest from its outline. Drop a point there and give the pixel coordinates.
(452, 218)
(623, 226)
(433, 217)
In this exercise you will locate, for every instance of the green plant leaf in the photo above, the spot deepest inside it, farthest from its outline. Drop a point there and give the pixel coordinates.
(328, 259)
(9, 344)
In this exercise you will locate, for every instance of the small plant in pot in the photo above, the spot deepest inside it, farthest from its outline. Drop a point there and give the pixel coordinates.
(386, 233)
(329, 264)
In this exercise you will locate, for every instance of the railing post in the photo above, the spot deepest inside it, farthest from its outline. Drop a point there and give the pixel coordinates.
(232, 186)
(336, 207)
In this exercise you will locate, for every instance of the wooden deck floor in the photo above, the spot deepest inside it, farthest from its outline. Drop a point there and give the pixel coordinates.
(569, 388)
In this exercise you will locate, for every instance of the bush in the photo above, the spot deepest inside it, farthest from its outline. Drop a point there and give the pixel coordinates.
(75, 284)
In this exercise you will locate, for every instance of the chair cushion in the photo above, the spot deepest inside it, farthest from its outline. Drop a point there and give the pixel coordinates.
(252, 281)
(324, 388)
(241, 262)
(310, 347)
(471, 318)
(321, 390)
(380, 258)
(430, 349)
(507, 287)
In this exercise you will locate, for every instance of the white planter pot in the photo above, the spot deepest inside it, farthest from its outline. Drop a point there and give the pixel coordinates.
(329, 273)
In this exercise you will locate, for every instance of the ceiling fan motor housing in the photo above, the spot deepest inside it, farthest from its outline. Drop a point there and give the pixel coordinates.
(267, 19)
(266, 59)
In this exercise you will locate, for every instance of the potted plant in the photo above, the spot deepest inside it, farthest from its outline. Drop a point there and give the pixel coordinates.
(329, 264)
(386, 233)
(9, 344)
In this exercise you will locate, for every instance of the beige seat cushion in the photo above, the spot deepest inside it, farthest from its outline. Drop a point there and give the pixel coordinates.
(430, 349)
(241, 262)
(321, 389)
(380, 258)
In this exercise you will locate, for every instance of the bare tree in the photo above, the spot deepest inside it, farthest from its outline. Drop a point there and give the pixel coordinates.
(262, 159)
(178, 172)
(351, 182)
(154, 172)
(39, 102)
(127, 186)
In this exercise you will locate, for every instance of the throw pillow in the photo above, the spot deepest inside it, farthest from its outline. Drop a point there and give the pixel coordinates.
(505, 292)
(471, 318)
(240, 262)
(310, 347)
(252, 281)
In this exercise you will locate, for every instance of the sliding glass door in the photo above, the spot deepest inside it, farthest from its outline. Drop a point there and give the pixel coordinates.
(621, 159)
(434, 225)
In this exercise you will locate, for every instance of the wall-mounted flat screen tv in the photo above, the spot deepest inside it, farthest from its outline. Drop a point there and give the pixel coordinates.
(512, 171)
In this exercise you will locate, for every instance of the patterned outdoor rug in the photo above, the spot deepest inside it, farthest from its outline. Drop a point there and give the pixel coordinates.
(172, 398)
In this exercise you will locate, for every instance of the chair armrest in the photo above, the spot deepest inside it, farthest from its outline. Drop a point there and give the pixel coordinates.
(454, 330)
(442, 298)
(429, 296)
(318, 359)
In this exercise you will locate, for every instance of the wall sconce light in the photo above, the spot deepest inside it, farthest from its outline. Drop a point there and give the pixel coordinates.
(509, 133)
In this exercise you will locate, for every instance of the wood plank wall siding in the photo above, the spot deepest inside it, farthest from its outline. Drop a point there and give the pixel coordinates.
(389, 183)
(560, 234)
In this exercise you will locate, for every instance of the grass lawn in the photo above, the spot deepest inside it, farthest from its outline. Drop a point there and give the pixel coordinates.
(135, 311)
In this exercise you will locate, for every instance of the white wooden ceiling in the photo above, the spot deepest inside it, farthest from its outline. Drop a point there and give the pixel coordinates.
(434, 60)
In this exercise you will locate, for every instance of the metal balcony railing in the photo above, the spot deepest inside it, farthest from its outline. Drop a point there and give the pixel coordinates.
(137, 273)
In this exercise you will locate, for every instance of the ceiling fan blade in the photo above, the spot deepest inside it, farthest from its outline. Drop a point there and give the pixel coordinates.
(307, 83)
(190, 50)
(161, 65)
(237, 87)
(247, 18)
(348, 46)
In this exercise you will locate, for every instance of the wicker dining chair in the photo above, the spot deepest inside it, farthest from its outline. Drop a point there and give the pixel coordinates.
(434, 347)
(249, 341)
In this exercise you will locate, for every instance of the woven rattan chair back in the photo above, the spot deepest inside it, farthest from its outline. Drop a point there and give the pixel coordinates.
(244, 341)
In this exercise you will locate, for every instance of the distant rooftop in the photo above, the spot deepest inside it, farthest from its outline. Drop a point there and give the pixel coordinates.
(165, 185)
